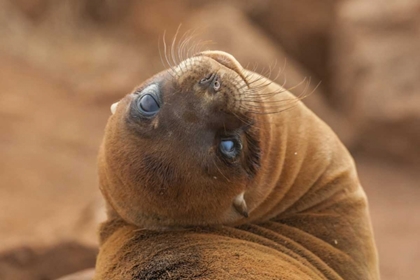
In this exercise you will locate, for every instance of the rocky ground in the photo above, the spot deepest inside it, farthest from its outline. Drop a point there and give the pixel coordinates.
(63, 63)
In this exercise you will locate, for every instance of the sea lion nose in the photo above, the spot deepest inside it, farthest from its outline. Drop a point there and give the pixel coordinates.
(211, 81)
(225, 59)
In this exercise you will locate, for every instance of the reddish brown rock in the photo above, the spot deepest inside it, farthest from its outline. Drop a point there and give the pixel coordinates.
(37, 262)
(48, 144)
(303, 28)
(377, 74)
(33, 9)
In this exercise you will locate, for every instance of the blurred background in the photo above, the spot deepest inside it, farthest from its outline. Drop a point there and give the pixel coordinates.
(64, 62)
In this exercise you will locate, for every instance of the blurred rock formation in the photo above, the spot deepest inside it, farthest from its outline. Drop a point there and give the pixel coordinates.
(377, 74)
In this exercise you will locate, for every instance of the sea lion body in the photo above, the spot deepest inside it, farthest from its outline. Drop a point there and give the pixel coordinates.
(175, 190)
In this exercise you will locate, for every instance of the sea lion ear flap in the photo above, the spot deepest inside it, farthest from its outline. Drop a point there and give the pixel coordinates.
(240, 205)
(114, 107)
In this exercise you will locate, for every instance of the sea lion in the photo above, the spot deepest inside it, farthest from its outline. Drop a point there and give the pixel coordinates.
(210, 155)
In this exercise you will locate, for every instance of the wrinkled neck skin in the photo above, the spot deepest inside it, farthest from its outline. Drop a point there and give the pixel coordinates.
(307, 171)
(304, 163)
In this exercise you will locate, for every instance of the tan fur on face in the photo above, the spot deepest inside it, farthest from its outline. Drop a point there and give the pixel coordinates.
(307, 213)
(166, 172)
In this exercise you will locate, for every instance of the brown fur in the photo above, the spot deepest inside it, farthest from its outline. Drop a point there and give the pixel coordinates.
(308, 216)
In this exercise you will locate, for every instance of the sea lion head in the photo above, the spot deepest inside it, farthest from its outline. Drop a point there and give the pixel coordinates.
(180, 149)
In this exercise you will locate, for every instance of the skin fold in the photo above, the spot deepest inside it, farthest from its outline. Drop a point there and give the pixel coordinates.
(287, 205)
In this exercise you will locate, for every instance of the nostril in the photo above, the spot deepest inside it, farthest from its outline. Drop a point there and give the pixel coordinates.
(216, 85)
(211, 80)
(206, 80)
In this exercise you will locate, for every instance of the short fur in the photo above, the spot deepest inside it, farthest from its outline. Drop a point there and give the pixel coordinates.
(170, 194)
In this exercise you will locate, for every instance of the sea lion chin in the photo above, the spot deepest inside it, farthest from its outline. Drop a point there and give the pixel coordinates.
(180, 150)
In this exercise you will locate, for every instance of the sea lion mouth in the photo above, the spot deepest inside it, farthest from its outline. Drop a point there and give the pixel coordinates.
(227, 60)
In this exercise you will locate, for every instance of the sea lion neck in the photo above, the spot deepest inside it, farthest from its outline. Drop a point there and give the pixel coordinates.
(300, 156)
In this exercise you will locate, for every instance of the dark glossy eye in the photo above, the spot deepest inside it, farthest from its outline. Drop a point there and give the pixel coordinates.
(228, 148)
(148, 105)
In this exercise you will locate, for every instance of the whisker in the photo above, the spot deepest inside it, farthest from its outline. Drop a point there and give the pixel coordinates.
(181, 43)
(165, 50)
(214, 162)
(171, 72)
(273, 112)
(270, 94)
(251, 101)
(173, 57)
(241, 119)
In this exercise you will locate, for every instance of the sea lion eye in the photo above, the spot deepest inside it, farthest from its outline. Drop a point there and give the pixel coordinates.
(229, 148)
(148, 105)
